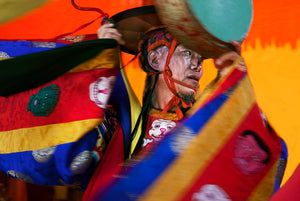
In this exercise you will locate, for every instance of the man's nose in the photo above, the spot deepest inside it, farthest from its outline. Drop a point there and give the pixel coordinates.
(195, 64)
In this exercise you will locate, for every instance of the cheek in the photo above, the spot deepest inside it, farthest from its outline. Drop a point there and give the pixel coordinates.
(201, 71)
(178, 66)
(162, 63)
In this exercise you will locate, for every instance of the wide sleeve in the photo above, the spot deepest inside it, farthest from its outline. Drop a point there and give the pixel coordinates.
(50, 105)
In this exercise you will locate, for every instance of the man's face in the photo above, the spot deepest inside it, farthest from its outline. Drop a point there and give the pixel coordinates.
(186, 67)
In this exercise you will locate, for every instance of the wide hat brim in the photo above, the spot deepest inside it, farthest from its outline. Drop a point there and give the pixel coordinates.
(133, 24)
(188, 27)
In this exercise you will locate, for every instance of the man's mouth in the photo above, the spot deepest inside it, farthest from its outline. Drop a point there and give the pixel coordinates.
(193, 80)
(194, 77)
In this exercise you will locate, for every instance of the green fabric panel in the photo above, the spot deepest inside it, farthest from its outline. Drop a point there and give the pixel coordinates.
(29, 71)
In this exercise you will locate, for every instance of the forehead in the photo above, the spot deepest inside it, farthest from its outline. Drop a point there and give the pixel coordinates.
(182, 48)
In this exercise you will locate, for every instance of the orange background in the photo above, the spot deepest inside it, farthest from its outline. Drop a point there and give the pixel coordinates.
(271, 52)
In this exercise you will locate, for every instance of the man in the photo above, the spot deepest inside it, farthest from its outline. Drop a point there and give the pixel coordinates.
(173, 73)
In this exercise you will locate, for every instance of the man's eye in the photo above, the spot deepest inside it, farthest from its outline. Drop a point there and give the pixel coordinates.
(187, 53)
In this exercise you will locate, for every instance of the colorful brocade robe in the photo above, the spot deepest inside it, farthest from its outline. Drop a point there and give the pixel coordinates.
(224, 149)
(54, 96)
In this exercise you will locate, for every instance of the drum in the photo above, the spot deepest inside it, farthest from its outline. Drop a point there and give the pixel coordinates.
(206, 26)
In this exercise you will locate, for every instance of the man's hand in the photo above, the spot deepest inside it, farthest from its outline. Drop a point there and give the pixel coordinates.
(107, 31)
(228, 58)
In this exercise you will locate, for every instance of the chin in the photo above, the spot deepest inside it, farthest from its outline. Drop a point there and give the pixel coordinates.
(188, 97)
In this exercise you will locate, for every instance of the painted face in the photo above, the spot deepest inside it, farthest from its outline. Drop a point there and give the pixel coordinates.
(249, 156)
(160, 127)
(186, 67)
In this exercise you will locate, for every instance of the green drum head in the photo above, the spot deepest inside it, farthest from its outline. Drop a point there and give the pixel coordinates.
(226, 20)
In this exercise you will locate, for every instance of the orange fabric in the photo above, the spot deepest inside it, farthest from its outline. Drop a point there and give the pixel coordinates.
(59, 16)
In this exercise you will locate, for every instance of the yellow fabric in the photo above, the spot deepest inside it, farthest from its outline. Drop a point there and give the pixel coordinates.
(27, 139)
(266, 187)
(135, 109)
(206, 145)
(108, 58)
